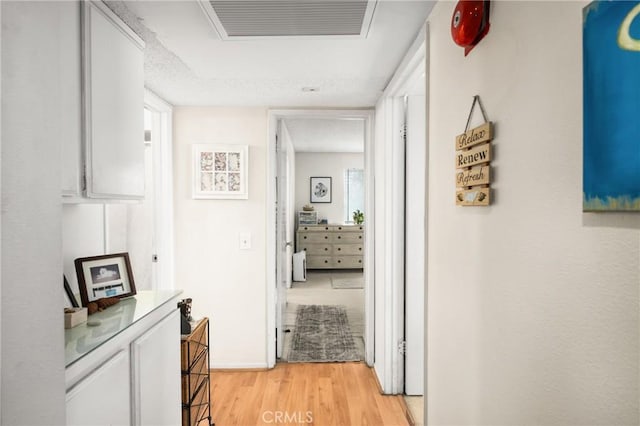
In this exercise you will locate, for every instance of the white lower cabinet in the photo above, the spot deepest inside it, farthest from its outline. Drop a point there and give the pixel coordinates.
(102, 397)
(154, 383)
(126, 371)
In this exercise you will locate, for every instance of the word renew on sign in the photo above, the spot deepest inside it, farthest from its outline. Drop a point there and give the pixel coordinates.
(473, 174)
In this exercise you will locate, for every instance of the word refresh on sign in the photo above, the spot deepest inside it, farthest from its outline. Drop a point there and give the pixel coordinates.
(472, 177)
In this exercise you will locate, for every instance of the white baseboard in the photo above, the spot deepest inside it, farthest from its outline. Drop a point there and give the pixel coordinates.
(238, 366)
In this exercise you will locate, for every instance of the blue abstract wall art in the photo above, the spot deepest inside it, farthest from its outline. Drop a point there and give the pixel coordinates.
(611, 68)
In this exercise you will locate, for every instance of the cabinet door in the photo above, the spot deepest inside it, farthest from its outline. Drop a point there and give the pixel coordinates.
(102, 398)
(114, 105)
(156, 374)
(70, 97)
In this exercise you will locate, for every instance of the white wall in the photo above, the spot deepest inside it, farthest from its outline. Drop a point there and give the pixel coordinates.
(532, 305)
(32, 379)
(325, 164)
(227, 284)
(83, 235)
(95, 229)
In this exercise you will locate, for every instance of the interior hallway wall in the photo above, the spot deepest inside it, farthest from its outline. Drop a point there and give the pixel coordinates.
(33, 379)
(227, 284)
(332, 164)
(532, 305)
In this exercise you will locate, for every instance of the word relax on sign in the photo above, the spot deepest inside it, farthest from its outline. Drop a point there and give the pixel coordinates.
(473, 155)
(475, 136)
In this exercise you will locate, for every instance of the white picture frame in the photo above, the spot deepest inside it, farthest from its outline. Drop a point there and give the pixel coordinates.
(220, 172)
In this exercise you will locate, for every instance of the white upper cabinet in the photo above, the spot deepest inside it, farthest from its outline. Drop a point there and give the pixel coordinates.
(109, 160)
(70, 98)
(114, 105)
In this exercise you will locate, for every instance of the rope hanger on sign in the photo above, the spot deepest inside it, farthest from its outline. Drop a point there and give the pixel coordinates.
(476, 99)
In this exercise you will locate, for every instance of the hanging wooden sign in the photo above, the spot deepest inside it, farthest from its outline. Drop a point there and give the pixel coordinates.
(473, 156)
(475, 176)
(473, 197)
(478, 155)
(474, 136)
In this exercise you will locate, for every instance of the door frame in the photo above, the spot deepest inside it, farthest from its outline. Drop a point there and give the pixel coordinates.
(274, 115)
(389, 366)
(163, 188)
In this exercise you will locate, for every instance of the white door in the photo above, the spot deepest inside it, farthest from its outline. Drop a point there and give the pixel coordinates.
(283, 237)
(415, 242)
(156, 374)
(111, 382)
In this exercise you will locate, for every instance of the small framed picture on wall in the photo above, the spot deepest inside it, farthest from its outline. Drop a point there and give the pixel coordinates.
(320, 189)
(220, 172)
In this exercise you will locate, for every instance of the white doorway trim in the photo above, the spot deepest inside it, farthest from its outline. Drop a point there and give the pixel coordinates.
(274, 116)
(162, 129)
(389, 364)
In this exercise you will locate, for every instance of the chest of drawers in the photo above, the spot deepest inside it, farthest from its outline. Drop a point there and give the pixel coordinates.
(332, 246)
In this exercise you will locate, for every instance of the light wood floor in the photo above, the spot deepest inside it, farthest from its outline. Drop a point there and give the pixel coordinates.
(340, 394)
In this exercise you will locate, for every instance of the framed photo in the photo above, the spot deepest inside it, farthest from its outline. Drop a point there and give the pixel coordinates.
(70, 300)
(220, 172)
(104, 276)
(320, 189)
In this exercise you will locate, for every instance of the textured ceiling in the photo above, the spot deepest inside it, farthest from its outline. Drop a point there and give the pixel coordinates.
(186, 63)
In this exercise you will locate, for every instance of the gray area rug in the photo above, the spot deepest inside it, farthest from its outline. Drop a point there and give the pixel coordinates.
(322, 334)
(340, 283)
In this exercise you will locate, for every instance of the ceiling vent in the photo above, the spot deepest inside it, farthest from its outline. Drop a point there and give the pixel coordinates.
(259, 19)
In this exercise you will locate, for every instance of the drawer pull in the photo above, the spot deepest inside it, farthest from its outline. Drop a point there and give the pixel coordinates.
(339, 261)
(340, 228)
(360, 236)
(306, 229)
(305, 237)
(360, 248)
(326, 249)
(326, 228)
(326, 261)
(339, 236)
(359, 260)
(326, 237)
(339, 249)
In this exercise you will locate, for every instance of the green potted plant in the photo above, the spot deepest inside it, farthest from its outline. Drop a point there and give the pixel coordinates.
(358, 217)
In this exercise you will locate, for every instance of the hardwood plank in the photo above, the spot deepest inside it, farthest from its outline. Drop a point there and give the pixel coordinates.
(320, 394)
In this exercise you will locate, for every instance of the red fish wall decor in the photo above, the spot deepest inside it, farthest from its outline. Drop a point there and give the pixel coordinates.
(470, 23)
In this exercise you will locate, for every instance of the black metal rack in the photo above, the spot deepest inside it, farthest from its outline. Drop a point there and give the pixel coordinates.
(196, 387)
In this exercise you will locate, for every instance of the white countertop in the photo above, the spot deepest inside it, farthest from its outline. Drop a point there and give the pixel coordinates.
(82, 339)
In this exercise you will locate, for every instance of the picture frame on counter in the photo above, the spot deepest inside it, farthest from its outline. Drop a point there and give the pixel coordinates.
(320, 189)
(104, 276)
(70, 298)
(220, 172)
